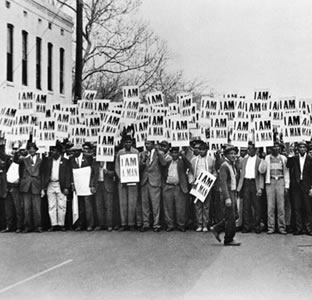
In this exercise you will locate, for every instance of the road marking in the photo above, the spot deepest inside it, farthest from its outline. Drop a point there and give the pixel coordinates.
(35, 276)
(304, 246)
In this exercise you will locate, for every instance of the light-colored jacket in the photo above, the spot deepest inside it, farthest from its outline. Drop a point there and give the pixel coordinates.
(264, 168)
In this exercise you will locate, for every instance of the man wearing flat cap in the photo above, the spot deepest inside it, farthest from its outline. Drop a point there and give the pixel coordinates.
(228, 184)
(57, 181)
(300, 167)
(31, 188)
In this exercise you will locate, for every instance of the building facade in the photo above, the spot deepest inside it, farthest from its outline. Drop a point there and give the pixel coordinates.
(36, 51)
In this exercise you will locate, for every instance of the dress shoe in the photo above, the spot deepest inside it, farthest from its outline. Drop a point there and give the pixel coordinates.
(205, 229)
(6, 230)
(232, 243)
(144, 229)
(258, 230)
(283, 232)
(51, 229)
(182, 229)
(309, 233)
(18, 230)
(122, 228)
(109, 229)
(289, 229)
(63, 228)
(26, 230)
(156, 229)
(132, 228)
(38, 230)
(78, 228)
(90, 228)
(169, 229)
(199, 229)
(215, 233)
(297, 232)
(270, 232)
(98, 228)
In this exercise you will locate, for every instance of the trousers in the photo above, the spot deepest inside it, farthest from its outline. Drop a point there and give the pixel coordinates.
(174, 205)
(32, 210)
(14, 209)
(103, 206)
(202, 212)
(86, 214)
(128, 195)
(150, 196)
(57, 204)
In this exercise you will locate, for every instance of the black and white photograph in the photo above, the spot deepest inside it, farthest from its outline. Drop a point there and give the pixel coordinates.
(156, 149)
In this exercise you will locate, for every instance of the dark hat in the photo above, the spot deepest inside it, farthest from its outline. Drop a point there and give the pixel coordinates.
(195, 142)
(164, 143)
(76, 148)
(127, 137)
(32, 145)
(228, 148)
(87, 144)
(174, 149)
(304, 143)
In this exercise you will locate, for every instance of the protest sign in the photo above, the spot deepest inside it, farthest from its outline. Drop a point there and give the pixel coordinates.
(140, 131)
(85, 107)
(101, 106)
(78, 134)
(44, 133)
(263, 133)
(82, 181)
(105, 148)
(155, 99)
(56, 107)
(193, 123)
(156, 127)
(240, 133)
(93, 125)
(208, 106)
(227, 106)
(262, 94)
(72, 109)
(24, 125)
(180, 135)
(292, 127)
(26, 102)
(289, 104)
(256, 108)
(130, 110)
(129, 168)
(130, 92)
(185, 107)
(173, 108)
(62, 124)
(143, 112)
(276, 113)
(7, 119)
(219, 129)
(89, 95)
(40, 104)
(110, 123)
(202, 186)
(306, 130)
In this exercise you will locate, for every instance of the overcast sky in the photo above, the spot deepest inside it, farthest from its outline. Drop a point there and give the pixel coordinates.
(239, 45)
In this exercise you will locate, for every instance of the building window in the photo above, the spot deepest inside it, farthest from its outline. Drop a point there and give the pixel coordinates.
(50, 25)
(25, 13)
(38, 63)
(62, 67)
(50, 62)
(62, 31)
(10, 52)
(24, 57)
(7, 4)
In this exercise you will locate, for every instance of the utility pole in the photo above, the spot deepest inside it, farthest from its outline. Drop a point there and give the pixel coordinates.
(78, 66)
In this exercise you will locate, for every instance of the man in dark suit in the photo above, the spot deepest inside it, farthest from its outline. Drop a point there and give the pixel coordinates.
(102, 185)
(151, 161)
(85, 203)
(31, 189)
(228, 180)
(176, 190)
(251, 183)
(57, 181)
(300, 167)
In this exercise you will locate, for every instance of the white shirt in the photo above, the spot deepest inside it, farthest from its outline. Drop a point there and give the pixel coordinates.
(301, 162)
(201, 165)
(250, 167)
(34, 159)
(55, 169)
(151, 158)
(79, 160)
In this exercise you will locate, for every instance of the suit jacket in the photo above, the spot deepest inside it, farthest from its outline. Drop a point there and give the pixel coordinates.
(5, 163)
(64, 173)
(32, 179)
(293, 164)
(109, 183)
(258, 176)
(183, 166)
(150, 172)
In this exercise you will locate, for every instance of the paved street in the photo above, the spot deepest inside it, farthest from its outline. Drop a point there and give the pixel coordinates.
(102, 265)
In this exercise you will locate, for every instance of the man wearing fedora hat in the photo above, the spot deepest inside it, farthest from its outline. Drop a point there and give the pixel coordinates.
(57, 181)
(300, 166)
(31, 189)
(228, 185)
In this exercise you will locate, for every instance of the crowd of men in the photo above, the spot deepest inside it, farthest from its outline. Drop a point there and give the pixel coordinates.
(253, 192)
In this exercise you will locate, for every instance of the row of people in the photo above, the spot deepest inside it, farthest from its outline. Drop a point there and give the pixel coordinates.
(166, 177)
